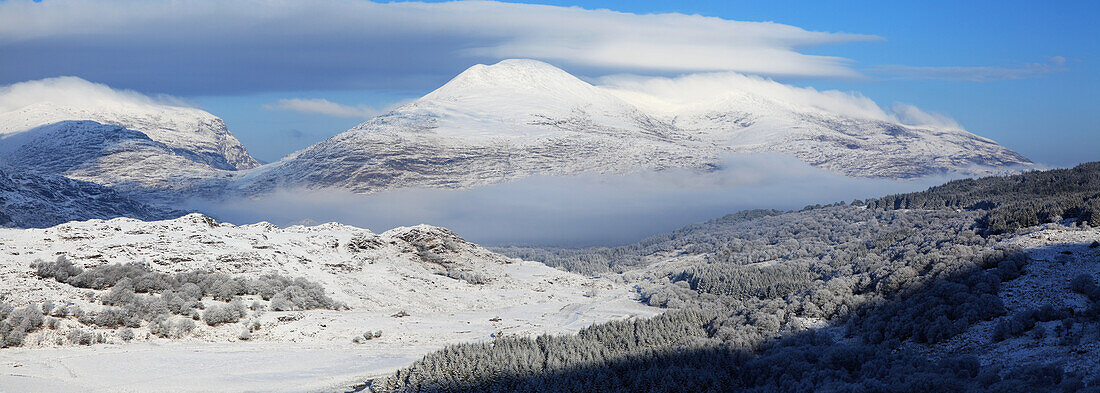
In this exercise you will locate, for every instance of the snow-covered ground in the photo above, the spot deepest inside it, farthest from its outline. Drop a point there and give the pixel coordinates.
(380, 276)
(1057, 254)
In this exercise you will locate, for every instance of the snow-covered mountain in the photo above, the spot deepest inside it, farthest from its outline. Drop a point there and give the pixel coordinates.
(193, 133)
(85, 131)
(31, 200)
(128, 161)
(490, 124)
(519, 118)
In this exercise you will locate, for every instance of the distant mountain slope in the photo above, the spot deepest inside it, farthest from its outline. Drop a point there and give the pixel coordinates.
(194, 133)
(136, 145)
(519, 118)
(126, 160)
(29, 200)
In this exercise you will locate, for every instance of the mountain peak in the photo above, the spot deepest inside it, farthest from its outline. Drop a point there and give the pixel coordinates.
(512, 75)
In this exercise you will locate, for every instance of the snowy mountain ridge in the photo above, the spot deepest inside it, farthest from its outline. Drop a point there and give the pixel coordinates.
(490, 124)
(519, 118)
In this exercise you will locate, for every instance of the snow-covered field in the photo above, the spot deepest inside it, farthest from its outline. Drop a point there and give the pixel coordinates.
(380, 276)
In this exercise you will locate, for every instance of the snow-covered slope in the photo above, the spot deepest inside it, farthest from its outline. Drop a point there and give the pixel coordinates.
(30, 200)
(385, 273)
(490, 124)
(389, 284)
(522, 117)
(1057, 254)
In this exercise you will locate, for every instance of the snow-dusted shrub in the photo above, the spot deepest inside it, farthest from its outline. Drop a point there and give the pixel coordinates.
(12, 337)
(218, 314)
(181, 292)
(121, 294)
(473, 278)
(15, 323)
(1018, 324)
(245, 335)
(430, 257)
(139, 294)
(303, 295)
(61, 269)
(110, 317)
(81, 337)
(126, 334)
(170, 327)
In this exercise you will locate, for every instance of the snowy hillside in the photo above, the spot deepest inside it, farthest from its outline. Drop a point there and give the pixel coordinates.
(415, 289)
(522, 117)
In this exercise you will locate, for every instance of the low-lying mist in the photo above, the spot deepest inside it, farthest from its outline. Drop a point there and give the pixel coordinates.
(573, 211)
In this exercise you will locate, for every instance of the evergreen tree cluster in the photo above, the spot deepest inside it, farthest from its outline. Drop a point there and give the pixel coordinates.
(1013, 202)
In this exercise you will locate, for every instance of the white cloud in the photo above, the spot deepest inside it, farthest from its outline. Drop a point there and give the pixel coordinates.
(911, 115)
(675, 94)
(582, 210)
(323, 107)
(76, 92)
(968, 74)
(214, 46)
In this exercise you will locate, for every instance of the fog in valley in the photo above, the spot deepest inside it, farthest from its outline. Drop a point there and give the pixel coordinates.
(573, 211)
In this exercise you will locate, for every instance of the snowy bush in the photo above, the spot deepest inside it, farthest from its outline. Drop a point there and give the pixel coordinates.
(15, 323)
(139, 294)
(81, 337)
(170, 327)
(219, 314)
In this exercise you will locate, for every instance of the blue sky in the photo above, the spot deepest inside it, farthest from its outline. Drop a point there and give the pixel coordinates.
(1022, 73)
